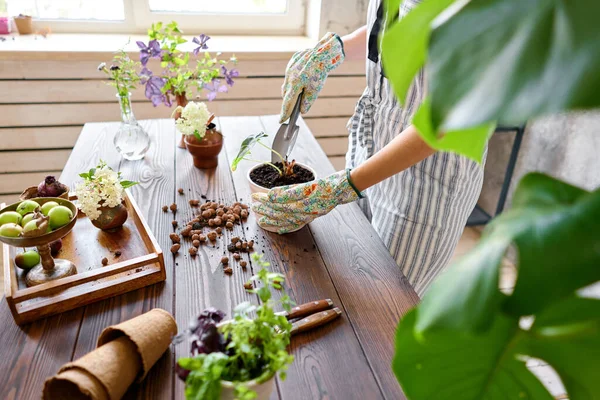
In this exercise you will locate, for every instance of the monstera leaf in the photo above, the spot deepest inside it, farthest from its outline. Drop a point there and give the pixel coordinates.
(489, 61)
(464, 340)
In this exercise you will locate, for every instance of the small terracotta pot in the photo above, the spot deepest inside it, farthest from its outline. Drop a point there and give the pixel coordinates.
(111, 217)
(206, 151)
(24, 25)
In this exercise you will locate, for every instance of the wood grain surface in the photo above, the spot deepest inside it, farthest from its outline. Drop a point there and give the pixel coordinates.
(338, 257)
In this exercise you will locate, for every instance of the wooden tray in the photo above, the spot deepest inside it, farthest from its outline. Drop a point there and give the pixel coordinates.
(140, 264)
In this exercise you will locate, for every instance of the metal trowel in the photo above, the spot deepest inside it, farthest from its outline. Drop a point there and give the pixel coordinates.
(285, 138)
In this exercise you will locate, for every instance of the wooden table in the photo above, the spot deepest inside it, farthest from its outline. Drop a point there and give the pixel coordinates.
(338, 256)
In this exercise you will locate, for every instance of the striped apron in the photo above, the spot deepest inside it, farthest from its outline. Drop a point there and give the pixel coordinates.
(421, 212)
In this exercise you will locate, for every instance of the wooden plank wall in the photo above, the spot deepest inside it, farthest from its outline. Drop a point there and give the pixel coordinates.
(44, 104)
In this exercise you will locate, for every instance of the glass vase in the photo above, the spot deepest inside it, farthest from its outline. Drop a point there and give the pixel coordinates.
(131, 140)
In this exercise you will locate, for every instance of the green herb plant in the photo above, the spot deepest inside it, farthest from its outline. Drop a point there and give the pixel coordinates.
(246, 149)
(492, 62)
(256, 344)
(122, 75)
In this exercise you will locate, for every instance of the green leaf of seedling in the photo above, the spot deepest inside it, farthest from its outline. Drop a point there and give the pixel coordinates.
(197, 135)
(179, 61)
(402, 58)
(128, 184)
(246, 148)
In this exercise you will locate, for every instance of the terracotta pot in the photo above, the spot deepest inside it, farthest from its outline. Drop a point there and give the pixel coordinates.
(111, 217)
(24, 25)
(206, 151)
(181, 101)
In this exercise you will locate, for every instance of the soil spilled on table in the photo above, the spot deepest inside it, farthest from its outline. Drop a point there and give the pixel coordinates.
(267, 176)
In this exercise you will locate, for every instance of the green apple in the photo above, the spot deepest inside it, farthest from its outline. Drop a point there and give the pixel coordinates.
(27, 260)
(46, 207)
(59, 216)
(10, 230)
(27, 206)
(26, 218)
(10, 216)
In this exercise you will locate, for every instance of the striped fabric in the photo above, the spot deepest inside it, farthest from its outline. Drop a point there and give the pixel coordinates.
(420, 213)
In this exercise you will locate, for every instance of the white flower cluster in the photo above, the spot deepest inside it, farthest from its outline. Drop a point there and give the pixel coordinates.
(104, 189)
(193, 118)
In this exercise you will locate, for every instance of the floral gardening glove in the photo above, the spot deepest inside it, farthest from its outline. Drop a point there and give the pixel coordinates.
(289, 208)
(308, 70)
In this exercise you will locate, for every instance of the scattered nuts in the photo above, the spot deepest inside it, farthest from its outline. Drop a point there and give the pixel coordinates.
(173, 207)
(194, 203)
(248, 286)
(244, 245)
(193, 251)
(220, 212)
(229, 225)
(187, 231)
(219, 230)
(243, 264)
(165, 208)
(175, 238)
(174, 223)
(251, 244)
(202, 238)
(231, 247)
(244, 206)
(105, 261)
(217, 221)
(196, 232)
(206, 214)
(235, 239)
(211, 222)
(244, 214)
(196, 243)
(228, 271)
(238, 245)
(196, 237)
(212, 236)
(225, 260)
(180, 190)
(237, 210)
(236, 256)
(175, 248)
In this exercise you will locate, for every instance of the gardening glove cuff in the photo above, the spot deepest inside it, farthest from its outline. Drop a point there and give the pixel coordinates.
(308, 70)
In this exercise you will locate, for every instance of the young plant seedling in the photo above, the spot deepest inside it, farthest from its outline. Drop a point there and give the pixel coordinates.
(246, 149)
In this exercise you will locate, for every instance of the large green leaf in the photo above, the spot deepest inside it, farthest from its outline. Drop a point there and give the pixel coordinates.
(404, 44)
(451, 365)
(556, 229)
(468, 142)
(567, 336)
(246, 148)
(510, 60)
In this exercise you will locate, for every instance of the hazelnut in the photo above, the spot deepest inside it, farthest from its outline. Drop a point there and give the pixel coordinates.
(244, 245)
(206, 214)
(217, 221)
(235, 239)
(225, 260)
(219, 230)
(175, 238)
(202, 238)
(243, 264)
(237, 210)
(196, 243)
(211, 222)
(180, 190)
(165, 208)
(236, 217)
(174, 223)
(236, 256)
(213, 206)
(196, 232)
(105, 261)
(244, 206)
(186, 232)
(251, 244)
(248, 286)
(175, 248)
(228, 271)
(196, 237)
(194, 203)
(212, 236)
(238, 245)
(193, 251)
(229, 225)
(244, 214)
(173, 207)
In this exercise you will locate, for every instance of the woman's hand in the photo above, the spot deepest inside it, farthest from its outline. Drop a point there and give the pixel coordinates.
(308, 70)
(289, 208)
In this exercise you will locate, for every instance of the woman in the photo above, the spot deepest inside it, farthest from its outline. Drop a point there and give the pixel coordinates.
(418, 200)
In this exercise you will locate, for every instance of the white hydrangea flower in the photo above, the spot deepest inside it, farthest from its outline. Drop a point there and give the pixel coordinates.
(194, 117)
(104, 189)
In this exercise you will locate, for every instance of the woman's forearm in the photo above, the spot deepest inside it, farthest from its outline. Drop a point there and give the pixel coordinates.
(404, 151)
(355, 44)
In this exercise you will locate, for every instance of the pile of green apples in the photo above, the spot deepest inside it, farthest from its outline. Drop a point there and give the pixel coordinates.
(30, 220)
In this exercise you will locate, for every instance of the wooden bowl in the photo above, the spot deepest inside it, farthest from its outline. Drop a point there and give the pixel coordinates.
(47, 237)
(32, 192)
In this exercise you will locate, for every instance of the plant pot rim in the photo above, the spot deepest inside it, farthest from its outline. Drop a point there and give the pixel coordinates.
(264, 189)
(201, 144)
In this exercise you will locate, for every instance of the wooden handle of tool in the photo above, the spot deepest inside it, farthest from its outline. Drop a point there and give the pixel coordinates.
(315, 320)
(305, 309)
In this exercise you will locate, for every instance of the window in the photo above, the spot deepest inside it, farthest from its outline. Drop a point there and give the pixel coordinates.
(255, 17)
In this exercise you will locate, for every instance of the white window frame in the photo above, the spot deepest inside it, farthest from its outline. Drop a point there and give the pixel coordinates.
(138, 19)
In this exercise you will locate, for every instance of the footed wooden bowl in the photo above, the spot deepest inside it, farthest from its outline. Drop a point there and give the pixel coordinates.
(49, 268)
